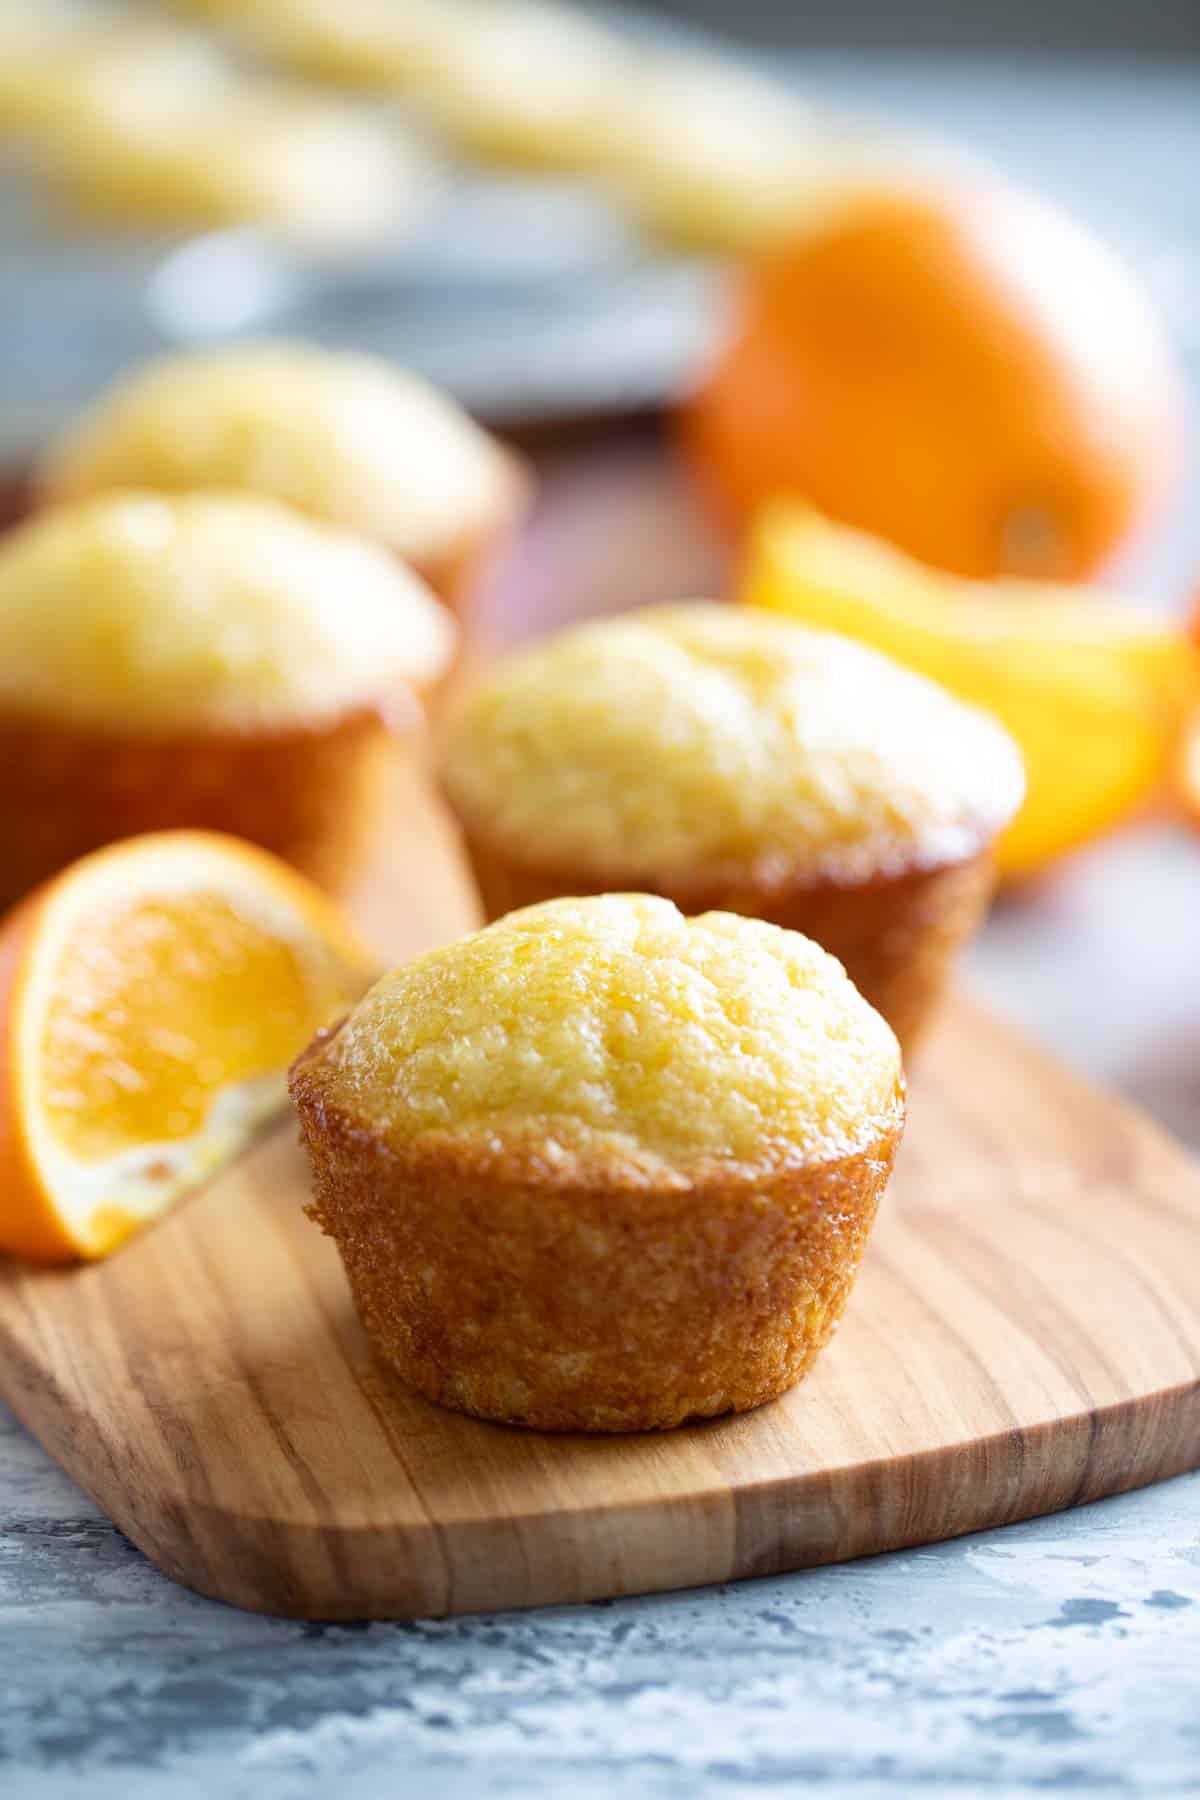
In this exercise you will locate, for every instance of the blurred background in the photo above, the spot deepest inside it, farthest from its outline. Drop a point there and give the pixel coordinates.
(480, 255)
(175, 177)
(1080, 25)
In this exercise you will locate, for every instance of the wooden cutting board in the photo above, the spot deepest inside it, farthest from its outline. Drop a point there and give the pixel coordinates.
(1025, 1335)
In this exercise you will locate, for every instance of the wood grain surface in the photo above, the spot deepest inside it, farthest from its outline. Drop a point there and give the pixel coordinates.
(1025, 1335)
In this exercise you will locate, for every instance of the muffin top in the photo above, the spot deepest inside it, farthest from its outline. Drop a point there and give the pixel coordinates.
(343, 436)
(138, 612)
(703, 741)
(613, 1039)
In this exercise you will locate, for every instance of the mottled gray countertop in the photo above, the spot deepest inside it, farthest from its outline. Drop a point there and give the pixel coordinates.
(1060, 1654)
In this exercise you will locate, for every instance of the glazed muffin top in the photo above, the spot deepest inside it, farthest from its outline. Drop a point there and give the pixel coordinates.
(613, 1039)
(702, 740)
(346, 437)
(139, 612)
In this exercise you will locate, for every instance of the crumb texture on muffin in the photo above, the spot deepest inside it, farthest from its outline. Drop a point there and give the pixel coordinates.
(603, 1167)
(696, 738)
(612, 1039)
(340, 435)
(146, 613)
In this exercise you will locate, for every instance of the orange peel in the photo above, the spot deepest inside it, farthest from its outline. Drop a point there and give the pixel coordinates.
(152, 997)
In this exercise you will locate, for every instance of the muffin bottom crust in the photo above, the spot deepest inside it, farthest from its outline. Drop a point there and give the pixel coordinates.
(599, 1307)
(897, 936)
(311, 794)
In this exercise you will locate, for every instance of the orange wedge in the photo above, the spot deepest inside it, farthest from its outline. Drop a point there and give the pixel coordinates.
(1187, 769)
(1095, 695)
(151, 999)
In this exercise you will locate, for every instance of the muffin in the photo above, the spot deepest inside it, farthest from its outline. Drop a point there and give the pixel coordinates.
(734, 761)
(137, 123)
(600, 1167)
(526, 83)
(341, 436)
(58, 58)
(713, 157)
(308, 169)
(212, 661)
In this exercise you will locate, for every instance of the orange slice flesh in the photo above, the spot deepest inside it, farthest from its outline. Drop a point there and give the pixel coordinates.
(1187, 769)
(1094, 694)
(151, 999)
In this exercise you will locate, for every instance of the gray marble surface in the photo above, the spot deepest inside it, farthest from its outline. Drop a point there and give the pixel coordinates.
(1063, 1653)
(1060, 1654)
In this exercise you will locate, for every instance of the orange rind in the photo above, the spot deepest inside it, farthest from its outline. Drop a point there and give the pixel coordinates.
(151, 999)
(952, 364)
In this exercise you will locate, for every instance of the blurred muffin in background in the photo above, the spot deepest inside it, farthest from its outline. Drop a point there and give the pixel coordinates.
(212, 661)
(58, 60)
(735, 762)
(712, 156)
(340, 436)
(512, 81)
(312, 170)
(518, 81)
(136, 123)
(377, 45)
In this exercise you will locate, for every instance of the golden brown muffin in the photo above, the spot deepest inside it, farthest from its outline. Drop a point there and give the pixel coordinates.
(343, 437)
(600, 1167)
(213, 661)
(734, 761)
